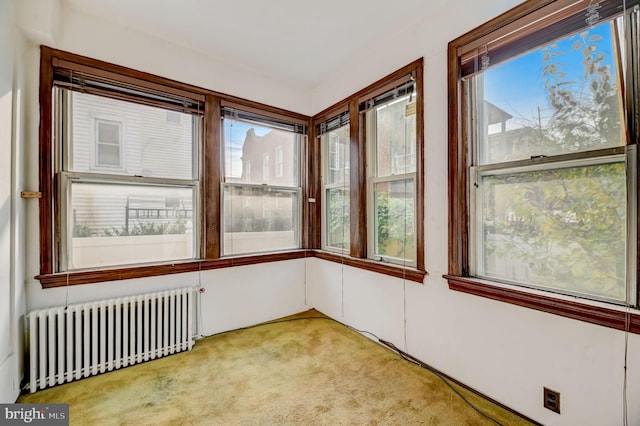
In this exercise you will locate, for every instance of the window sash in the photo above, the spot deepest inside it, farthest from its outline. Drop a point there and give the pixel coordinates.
(231, 243)
(65, 221)
(479, 110)
(372, 220)
(63, 136)
(477, 255)
(264, 160)
(478, 170)
(330, 156)
(403, 92)
(344, 213)
(373, 168)
(63, 121)
(228, 248)
(169, 95)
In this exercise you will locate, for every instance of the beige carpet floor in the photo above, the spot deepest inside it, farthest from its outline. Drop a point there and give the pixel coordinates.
(307, 371)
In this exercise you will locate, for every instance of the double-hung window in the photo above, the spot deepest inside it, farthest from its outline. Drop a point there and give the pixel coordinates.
(141, 175)
(127, 180)
(334, 145)
(390, 133)
(261, 207)
(371, 181)
(542, 140)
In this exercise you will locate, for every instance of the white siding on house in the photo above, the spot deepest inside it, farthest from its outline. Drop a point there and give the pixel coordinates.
(85, 110)
(151, 146)
(167, 148)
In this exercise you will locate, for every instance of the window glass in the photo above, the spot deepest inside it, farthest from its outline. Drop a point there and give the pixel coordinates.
(117, 224)
(110, 212)
(337, 165)
(559, 228)
(540, 220)
(267, 149)
(395, 220)
(391, 139)
(279, 161)
(258, 219)
(560, 98)
(337, 215)
(261, 195)
(129, 138)
(395, 137)
(336, 193)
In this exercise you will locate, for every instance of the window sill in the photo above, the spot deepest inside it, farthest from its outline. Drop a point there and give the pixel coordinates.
(611, 317)
(63, 279)
(397, 271)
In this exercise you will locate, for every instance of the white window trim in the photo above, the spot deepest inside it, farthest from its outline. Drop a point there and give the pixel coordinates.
(95, 118)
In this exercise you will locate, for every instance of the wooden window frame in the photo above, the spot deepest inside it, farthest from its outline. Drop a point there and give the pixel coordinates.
(210, 179)
(357, 256)
(268, 183)
(460, 52)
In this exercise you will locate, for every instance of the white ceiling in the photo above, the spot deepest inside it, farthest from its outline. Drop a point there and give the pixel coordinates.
(299, 41)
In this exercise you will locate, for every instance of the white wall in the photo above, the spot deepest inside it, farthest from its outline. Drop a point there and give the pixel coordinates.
(51, 23)
(234, 297)
(98, 39)
(6, 114)
(231, 298)
(11, 206)
(507, 352)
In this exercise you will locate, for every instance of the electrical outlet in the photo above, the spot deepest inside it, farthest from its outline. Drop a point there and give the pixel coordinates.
(551, 400)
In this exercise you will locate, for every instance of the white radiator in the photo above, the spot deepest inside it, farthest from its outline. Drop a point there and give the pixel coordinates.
(76, 341)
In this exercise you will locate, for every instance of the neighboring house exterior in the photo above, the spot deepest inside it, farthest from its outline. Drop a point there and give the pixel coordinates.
(115, 137)
(270, 161)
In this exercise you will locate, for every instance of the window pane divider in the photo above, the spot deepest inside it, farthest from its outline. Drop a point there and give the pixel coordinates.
(128, 180)
(262, 186)
(552, 161)
(393, 178)
(344, 185)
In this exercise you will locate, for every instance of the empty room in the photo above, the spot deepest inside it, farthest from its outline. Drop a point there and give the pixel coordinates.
(338, 212)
